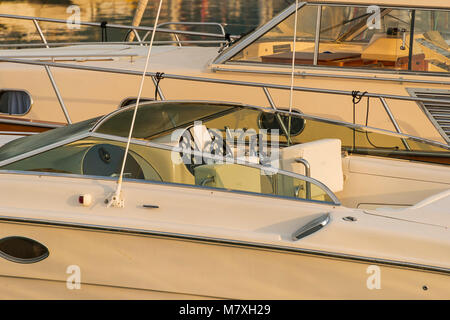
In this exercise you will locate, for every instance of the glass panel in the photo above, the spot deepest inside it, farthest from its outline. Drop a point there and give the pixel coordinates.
(358, 37)
(34, 142)
(364, 37)
(258, 131)
(14, 102)
(432, 41)
(96, 157)
(250, 123)
(275, 47)
(103, 157)
(157, 118)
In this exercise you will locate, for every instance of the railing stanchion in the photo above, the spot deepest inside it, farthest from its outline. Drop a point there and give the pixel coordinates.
(138, 37)
(41, 34)
(394, 122)
(274, 107)
(58, 94)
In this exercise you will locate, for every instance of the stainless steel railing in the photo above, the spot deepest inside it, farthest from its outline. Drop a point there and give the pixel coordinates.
(129, 28)
(222, 29)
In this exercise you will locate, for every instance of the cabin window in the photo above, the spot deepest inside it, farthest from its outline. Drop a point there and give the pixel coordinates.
(346, 40)
(22, 250)
(276, 45)
(367, 37)
(14, 102)
(432, 40)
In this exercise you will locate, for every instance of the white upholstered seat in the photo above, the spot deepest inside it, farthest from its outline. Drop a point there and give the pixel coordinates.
(324, 158)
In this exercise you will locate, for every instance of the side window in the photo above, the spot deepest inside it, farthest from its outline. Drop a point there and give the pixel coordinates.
(276, 46)
(14, 102)
(368, 37)
(432, 40)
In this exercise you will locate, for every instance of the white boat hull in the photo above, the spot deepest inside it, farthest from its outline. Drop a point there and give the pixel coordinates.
(128, 265)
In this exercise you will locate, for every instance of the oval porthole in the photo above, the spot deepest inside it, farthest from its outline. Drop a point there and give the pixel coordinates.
(270, 121)
(22, 250)
(15, 102)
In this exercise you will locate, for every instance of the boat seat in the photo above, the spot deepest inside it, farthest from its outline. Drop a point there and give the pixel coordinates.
(324, 158)
(201, 136)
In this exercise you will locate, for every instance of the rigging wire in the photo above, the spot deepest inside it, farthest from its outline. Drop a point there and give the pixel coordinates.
(357, 97)
(116, 199)
(159, 76)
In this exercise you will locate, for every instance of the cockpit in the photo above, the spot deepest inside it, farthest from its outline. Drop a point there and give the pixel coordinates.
(236, 147)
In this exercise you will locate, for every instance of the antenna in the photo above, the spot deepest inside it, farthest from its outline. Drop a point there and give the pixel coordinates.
(116, 199)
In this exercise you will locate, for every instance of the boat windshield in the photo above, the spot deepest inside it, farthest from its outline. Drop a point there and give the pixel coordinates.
(33, 142)
(352, 36)
(160, 122)
(234, 124)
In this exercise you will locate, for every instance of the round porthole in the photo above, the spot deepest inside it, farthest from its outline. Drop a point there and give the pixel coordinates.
(22, 250)
(271, 121)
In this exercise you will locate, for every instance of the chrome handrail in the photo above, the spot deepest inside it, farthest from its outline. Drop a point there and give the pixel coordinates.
(307, 173)
(222, 29)
(222, 81)
(130, 28)
(61, 44)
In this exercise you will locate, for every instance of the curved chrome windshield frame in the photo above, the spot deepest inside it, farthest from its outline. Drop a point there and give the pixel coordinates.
(360, 127)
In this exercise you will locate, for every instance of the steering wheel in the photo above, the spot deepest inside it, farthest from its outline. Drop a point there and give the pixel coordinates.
(202, 145)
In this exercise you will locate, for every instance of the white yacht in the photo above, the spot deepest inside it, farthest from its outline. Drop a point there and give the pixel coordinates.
(221, 200)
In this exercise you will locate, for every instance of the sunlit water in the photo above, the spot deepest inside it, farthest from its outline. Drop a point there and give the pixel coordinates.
(239, 16)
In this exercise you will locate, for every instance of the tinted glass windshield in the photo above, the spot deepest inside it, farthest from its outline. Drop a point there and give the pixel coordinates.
(30, 143)
(158, 120)
(155, 118)
(168, 122)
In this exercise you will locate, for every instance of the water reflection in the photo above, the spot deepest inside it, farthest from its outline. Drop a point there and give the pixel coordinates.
(239, 16)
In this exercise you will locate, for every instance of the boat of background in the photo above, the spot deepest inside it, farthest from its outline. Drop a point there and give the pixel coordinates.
(398, 70)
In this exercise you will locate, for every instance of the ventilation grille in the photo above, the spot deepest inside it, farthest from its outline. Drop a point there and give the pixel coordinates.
(439, 113)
